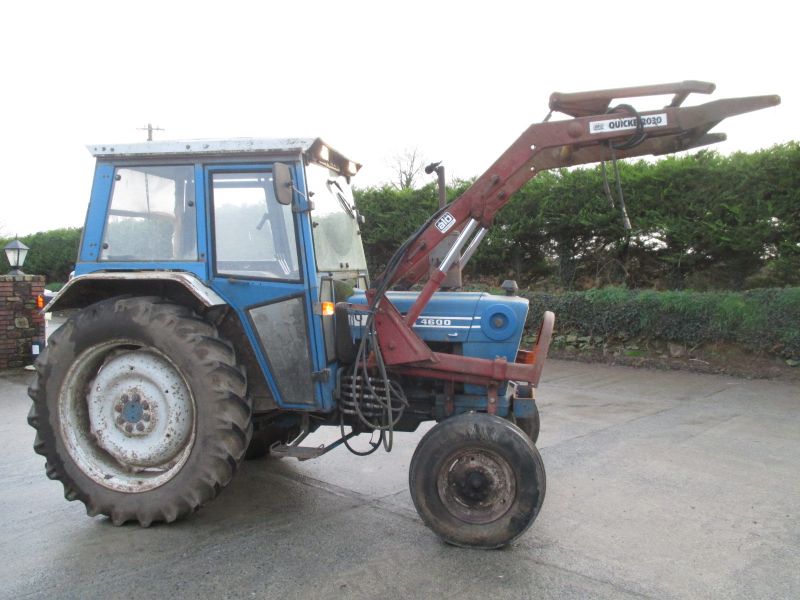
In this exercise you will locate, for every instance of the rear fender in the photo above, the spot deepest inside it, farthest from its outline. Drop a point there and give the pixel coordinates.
(183, 288)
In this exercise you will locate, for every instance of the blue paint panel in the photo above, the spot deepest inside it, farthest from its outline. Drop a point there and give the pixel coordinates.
(492, 340)
(514, 310)
(466, 318)
(245, 293)
(240, 293)
(459, 317)
(498, 322)
(92, 237)
(197, 268)
(448, 317)
(96, 215)
(524, 407)
(203, 237)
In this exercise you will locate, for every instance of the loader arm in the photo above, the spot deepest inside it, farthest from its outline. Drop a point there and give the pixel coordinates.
(596, 132)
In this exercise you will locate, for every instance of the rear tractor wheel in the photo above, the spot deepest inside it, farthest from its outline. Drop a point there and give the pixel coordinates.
(140, 410)
(477, 481)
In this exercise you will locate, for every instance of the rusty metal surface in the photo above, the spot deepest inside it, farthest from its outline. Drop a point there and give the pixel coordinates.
(491, 396)
(560, 141)
(399, 343)
(499, 485)
(582, 104)
(543, 339)
(551, 158)
(94, 430)
(588, 137)
(140, 410)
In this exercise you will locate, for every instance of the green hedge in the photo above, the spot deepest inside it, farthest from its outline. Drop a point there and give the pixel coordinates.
(52, 253)
(703, 222)
(764, 320)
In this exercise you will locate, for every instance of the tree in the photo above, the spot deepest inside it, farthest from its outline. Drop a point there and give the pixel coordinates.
(407, 167)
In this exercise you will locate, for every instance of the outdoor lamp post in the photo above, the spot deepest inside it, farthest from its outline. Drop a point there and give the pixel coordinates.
(16, 252)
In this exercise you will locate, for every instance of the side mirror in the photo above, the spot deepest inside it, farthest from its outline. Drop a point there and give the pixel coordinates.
(282, 183)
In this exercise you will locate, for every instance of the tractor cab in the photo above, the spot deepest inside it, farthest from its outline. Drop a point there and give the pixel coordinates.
(262, 233)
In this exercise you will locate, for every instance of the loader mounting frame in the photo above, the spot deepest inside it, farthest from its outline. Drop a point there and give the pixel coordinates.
(595, 132)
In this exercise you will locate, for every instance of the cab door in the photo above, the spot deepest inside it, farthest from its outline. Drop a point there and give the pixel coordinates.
(259, 255)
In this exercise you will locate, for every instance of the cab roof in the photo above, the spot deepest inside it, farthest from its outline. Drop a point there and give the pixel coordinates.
(313, 149)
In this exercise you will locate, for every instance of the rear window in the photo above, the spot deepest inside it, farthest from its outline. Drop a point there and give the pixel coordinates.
(151, 215)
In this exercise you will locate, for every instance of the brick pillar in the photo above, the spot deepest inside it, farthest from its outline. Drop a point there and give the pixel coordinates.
(21, 323)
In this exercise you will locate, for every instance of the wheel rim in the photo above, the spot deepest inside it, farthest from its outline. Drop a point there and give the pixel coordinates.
(476, 485)
(127, 416)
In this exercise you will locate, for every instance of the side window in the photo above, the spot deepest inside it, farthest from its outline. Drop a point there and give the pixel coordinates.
(254, 234)
(151, 215)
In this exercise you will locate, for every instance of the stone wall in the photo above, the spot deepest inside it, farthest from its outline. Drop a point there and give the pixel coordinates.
(21, 323)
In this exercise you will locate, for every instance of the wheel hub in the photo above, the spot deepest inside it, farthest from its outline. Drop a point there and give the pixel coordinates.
(140, 410)
(476, 486)
(134, 417)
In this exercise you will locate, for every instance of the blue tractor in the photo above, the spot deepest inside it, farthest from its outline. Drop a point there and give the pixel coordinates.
(222, 308)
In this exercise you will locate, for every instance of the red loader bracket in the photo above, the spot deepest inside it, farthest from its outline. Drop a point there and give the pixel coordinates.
(596, 132)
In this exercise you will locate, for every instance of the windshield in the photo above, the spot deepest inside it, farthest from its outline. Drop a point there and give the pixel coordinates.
(337, 240)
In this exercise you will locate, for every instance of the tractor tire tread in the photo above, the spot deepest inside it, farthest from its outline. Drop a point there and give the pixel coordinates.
(217, 379)
(493, 433)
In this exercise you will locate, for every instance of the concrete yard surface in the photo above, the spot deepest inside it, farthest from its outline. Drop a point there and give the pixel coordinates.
(659, 485)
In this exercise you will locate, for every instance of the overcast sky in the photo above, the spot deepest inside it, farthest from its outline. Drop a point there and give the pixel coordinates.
(459, 81)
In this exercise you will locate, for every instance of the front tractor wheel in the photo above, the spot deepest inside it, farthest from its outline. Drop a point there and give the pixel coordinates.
(140, 410)
(477, 481)
(529, 425)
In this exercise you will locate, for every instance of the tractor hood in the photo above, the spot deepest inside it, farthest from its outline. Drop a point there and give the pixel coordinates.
(486, 324)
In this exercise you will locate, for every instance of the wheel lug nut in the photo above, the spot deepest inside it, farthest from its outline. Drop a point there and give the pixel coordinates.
(125, 397)
(146, 416)
(120, 420)
(118, 407)
(128, 427)
(140, 426)
(136, 397)
(145, 405)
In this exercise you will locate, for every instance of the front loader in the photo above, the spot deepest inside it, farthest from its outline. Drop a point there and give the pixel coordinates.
(222, 308)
